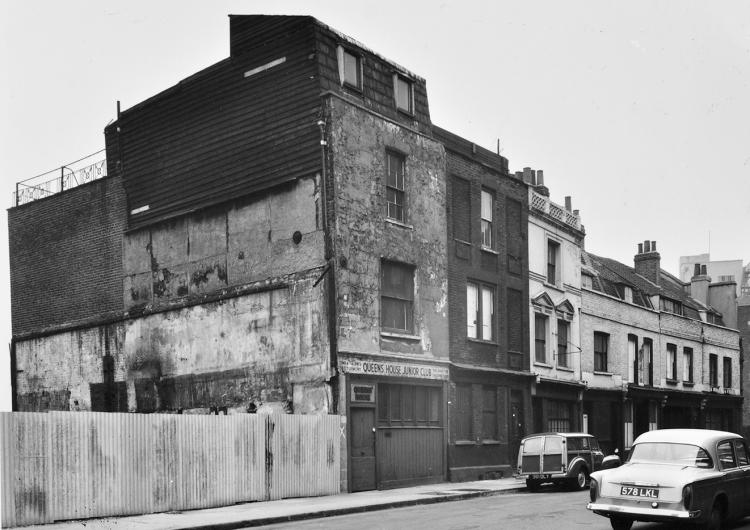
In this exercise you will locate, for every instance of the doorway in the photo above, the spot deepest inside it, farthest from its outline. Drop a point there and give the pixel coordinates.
(363, 448)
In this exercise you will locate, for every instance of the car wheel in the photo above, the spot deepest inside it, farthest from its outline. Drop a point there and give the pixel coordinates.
(714, 518)
(532, 485)
(581, 478)
(620, 524)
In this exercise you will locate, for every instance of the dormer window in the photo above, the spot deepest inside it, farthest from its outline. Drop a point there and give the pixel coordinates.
(403, 90)
(350, 68)
(671, 306)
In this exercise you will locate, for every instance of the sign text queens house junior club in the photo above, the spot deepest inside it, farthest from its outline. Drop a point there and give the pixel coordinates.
(392, 369)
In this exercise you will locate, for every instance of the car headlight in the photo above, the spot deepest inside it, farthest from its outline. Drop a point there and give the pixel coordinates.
(687, 496)
(593, 489)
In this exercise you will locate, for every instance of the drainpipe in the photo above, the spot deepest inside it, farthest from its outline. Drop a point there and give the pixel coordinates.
(330, 267)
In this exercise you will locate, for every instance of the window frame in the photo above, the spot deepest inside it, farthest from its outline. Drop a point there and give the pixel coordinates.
(408, 303)
(598, 354)
(563, 324)
(726, 372)
(487, 233)
(713, 370)
(409, 84)
(490, 412)
(555, 269)
(463, 412)
(341, 54)
(671, 362)
(687, 364)
(392, 188)
(481, 288)
(540, 339)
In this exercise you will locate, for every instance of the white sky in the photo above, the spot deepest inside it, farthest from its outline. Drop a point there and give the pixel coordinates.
(639, 110)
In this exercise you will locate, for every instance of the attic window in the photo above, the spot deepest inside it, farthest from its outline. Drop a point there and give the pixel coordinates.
(403, 90)
(350, 68)
(587, 282)
(671, 306)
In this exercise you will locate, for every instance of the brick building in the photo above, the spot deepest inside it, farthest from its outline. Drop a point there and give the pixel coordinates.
(487, 290)
(654, 356)
(271, 237)
(555, 241)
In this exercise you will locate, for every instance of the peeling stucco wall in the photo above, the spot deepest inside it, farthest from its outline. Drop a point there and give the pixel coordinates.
(363, 236)
(201, 253)
(266, 350)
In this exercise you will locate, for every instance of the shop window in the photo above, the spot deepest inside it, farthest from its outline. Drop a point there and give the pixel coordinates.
(408, 405)
(397, 297)
(558, 416)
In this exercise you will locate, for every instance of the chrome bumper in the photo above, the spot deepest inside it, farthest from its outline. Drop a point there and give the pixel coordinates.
(636, 512)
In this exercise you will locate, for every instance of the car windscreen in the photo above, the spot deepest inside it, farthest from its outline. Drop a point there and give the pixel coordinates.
(670, 453)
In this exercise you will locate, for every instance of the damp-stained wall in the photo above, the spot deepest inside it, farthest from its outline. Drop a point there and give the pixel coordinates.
(187, 258)
(265, 350)
(358, 141)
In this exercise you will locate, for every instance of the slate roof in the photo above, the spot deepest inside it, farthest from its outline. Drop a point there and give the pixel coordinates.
(611, 275)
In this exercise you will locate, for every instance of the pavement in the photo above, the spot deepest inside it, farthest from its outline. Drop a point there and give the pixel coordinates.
(286, 510)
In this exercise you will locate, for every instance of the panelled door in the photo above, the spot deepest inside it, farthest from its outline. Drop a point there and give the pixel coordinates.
(363, 448)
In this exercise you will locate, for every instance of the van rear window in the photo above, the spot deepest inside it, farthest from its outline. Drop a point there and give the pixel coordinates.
(532, 445)
(552, 444)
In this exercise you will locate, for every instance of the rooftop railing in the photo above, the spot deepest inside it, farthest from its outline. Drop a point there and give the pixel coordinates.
(72, 174)
(539, 202)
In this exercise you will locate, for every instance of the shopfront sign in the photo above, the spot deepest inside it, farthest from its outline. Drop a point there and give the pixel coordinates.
(392, 369)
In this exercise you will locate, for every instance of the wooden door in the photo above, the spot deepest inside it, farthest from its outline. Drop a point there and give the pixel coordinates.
(363, 448)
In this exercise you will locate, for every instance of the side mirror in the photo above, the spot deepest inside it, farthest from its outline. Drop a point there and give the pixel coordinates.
(611, 461)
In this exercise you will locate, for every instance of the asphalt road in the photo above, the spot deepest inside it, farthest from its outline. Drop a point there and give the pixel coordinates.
(549, 509)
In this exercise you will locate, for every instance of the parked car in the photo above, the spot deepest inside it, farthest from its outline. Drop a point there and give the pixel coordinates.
(558, 457)
(694, 476)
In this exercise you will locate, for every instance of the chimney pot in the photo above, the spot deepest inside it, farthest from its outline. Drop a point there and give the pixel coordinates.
(568, 203)
(653, 246)
(704, 272)
(697, 270)
(527, 178)
(577, 213)
(540, 178)
(640, 248)
(647, 246)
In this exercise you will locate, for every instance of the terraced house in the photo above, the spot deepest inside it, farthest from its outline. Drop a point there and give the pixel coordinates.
(659, 355)
(270, 236)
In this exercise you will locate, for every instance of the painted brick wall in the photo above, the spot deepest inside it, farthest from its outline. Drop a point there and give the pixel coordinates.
(358, 143)
(506, 267)
(66, 256)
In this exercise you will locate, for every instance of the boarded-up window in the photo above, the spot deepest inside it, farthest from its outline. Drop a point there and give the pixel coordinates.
(513, 235)
(409, 405)
(397, 296)
(461, 209)
(515, 320)
(463, 412)
(489, 413)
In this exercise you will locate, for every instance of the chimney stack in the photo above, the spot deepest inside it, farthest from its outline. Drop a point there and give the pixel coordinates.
(568, 203)
(699, 284)
(528, 176)
(648, 262)
(539, 177)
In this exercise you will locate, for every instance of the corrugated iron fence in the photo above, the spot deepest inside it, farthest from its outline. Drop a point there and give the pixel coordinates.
(74, 465)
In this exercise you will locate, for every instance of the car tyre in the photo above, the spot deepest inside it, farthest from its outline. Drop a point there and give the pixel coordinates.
(620, 524)
(532, 484)
(714, 518)
(580, 480)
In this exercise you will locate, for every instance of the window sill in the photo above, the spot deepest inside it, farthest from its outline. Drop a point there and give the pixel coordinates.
(405, 112)
(464, 442)
(398, 335)
(553, 286)
(543, 365)
(353, 89)
(688, 383)
(398, 223)
(672, 382)
(607, 374)
(480, 341)
(489, 250)
(490, 442)
(565, 369)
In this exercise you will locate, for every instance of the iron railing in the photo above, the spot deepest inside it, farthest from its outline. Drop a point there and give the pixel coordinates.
(72, 174)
